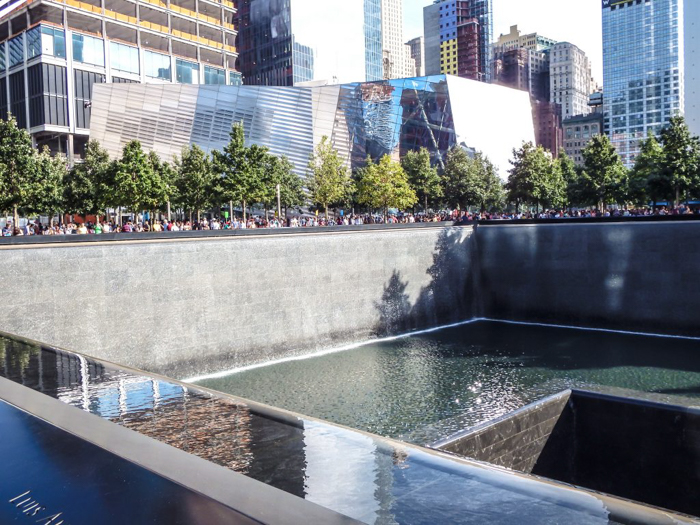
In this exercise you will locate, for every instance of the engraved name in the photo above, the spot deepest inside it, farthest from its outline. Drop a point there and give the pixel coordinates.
(31, 508)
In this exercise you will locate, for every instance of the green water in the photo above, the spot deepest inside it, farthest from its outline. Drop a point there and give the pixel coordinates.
(426, 387)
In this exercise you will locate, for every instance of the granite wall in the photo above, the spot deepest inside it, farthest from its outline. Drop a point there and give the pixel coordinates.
(631, 275)
(191, 306)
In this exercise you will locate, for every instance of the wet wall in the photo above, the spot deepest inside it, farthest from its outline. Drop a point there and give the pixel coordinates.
(640, 276)
(184, 307)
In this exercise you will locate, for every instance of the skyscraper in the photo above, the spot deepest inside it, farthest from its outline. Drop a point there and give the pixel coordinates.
(570, 78)
(417, 46)
(287, 42)
(397, 59)
(53, 53)
(692, 65)
(643, 69)
(458, 36)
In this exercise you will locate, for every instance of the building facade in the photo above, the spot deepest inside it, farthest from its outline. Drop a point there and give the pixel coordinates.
(692, 65)
(53, 53)
(282, 42)
(398, 62)
(362, 119)
(458, 36)
(571, 82)
(548, 126)
(515, 40)
(643, 69)
(417, 50)
(578, 131)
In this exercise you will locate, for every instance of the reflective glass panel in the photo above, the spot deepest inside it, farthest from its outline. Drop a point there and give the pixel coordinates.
(124, 58)
(16, 50)
(157, 65)
(33, 43)
(213, 75)
(187, 72)
(53, 42)
(88, 50)
(2, 56)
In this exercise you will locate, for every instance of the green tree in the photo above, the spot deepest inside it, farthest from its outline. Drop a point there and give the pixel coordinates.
(291, 185)
(385, 185)
(462, 182)
(422, 177)
(532, 178)
(571, 176)
(194, 179)
(681, 155)
(645, 179)
(17, 167)
(165, 189)
(87, 187)
(45, 194)
(328, 179)
(137, 186)
(603, 172)
(239, 168)
(494, 192)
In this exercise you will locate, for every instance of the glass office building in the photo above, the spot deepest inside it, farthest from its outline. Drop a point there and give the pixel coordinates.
(643, 69)
(287, 42)
(361, 118)
(52, 53)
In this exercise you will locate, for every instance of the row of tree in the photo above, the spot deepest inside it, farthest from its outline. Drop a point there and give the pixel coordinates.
(34, 182)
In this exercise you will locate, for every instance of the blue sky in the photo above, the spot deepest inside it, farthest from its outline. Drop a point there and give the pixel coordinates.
(575, 21)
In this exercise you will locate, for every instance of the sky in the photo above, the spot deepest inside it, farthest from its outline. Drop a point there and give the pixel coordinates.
(575, 21)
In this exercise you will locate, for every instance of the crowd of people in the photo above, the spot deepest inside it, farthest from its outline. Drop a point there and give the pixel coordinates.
(141, 225)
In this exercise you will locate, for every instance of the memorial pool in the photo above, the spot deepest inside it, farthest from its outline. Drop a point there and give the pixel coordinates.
(427, 386)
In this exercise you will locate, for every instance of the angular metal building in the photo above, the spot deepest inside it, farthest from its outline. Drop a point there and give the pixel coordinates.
(362, 119)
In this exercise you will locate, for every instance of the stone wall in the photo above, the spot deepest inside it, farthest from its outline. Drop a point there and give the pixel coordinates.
(629, 276)
(192, 306)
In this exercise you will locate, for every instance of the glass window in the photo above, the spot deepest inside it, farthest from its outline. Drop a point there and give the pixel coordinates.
(124, 58)
(88, 50)
(33, 43)
(235, 78)
(213, 75)
(16, 51)
(187, 72)
(53, 42)
(2, 56)
(157, 65)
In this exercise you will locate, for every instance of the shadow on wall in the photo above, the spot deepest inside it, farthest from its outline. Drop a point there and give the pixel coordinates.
(450, 296)
(640, 277)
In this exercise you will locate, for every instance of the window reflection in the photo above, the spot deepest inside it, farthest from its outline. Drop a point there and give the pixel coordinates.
(124, 58)
(88, 50)
(213, 75)
(187, 72)
(157, 65)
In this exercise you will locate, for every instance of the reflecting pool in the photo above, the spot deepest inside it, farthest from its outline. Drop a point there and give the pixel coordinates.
(425, 387)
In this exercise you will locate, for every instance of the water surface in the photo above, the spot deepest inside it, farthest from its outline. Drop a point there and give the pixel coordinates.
(426, 387)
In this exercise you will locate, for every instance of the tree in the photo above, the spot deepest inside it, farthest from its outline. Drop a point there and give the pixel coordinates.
(533, 179)
(291, 185)
(45, 193)
(137, 185)
(87, 187)
(462, 184)
(422, 177)
(645, 178)
(17, 167)
(494, 192)
(165, 189)
(603, 172)
(240, 169)
(194, 179)
(571, 176)
(385, 185)
(681, 155)
(328, 179)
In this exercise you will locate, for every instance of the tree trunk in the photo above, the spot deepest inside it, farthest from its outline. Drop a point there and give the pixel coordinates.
(326, 212)
(601, 205)
(15, 215)
(169, 211)
(425, 208)
(230, 210)
(678, 197)
(244, 212)
(198, 216)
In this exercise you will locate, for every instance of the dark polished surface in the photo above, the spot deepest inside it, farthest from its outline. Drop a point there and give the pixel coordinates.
(51, 476)
(366, 478)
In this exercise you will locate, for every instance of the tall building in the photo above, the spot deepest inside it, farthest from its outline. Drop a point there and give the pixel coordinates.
(643, 69)
(282, 42)
(548, 126)
(515, 40)
(578, 131)
(417, 47)
(361, 119)
(523, 69)
(458, 36)
(52, 54)
(570, 79)
(398, 62)
(692, 65)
